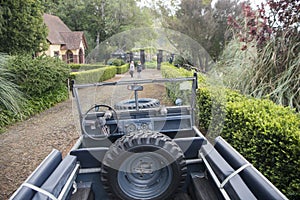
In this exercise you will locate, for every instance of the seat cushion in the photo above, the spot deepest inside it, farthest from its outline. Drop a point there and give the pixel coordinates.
(257, 183)
(58, 178)
(38, 177)
(235, 187)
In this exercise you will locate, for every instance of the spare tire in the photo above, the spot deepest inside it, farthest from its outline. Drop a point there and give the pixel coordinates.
(143, 165)
(142, 103)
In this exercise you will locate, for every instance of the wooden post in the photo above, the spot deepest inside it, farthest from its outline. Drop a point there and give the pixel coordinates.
(142, 58)
(159, 59)
(130, 56)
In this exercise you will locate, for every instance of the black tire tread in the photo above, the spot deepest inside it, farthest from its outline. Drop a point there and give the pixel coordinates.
(124, 105)
(144, 137)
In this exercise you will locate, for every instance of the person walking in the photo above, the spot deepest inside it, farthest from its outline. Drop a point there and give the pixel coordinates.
(131, 68)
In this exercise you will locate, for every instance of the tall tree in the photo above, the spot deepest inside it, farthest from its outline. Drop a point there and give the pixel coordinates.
(22, 28)
(203, 22)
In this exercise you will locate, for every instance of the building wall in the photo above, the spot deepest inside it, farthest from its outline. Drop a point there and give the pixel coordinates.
(56, 49)
(52, 49)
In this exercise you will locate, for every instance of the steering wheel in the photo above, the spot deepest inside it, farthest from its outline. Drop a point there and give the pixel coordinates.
(100, 122)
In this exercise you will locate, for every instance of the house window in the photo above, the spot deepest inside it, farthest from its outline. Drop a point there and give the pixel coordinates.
(56, 53)
(69, 57)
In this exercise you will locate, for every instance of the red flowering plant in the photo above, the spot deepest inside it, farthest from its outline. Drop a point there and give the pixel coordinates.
(253, 27)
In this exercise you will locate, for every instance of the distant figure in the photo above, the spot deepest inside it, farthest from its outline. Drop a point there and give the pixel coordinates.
(139, 69)
(171, 60)
(131, 68)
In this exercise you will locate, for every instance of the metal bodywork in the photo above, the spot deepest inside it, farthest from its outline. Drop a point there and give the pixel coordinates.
(212, 172)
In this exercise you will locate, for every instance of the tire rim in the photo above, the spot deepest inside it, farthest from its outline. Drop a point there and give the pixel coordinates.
(145, 175)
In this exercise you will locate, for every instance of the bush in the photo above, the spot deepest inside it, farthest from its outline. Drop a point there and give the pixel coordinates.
(151, 65)
(38, 76)
(85, 67)
(173, 91)
(33, 106)
(11, 96)
(122, 69)
(266, 134)
(115, 62)
(95, 75)
(43, 82)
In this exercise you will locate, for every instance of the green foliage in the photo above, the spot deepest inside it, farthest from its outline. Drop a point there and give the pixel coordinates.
(94, 75)
(43, 83)
(11, 97)
(151, 65)
(33, 106)
(206, 25)
(266, 134)
(122, 69)
(100, 19)
(267, 73)
(263, 59)
(85, 67)
(116, 62)
(22, 28)
(38, 76)
(170, 71)
(173, 89)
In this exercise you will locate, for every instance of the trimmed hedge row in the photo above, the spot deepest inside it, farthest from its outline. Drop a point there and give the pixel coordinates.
(266, 134)
(173, 90)
(115, 62)
(85, 67)
(122, 69)
(94, 75)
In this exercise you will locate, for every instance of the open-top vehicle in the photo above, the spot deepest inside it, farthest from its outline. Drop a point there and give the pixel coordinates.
(138, 143)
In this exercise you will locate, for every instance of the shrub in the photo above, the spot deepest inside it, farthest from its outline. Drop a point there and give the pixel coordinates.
(115, 62)
(11, 96)
(38, 76)
(151, 65)
(173, 91)
(266, 134)
(43, 83)
(95, 75)
(122, 69)
(85, 67)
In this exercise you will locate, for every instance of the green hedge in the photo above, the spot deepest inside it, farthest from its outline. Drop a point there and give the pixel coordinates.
(173, 90)
(43, 82)
(38, 76)
(266, 134)
(84, 67)
(122, 69)
(94, 75)
(151, 65)
(115, 62)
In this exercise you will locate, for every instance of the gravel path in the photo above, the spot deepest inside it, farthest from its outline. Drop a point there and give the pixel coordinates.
(24, 145)
(27, 143)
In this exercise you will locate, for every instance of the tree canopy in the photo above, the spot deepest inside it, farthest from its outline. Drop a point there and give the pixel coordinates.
(100, 19)
(21, 27)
